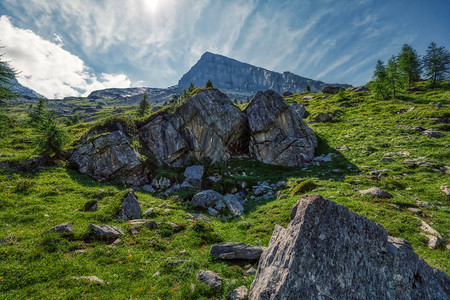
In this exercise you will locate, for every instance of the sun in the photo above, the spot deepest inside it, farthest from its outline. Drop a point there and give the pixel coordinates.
(152, 5)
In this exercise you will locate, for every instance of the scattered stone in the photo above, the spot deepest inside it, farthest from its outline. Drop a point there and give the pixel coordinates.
(239, 293)
(138, 222)
(376, 192)
(412, 128)
(281, 184)
(343, 148)
(89, 279)
(91, 205)
(130, 207)
(445, 189)
(134, 230)
(156, 274)
(321, 238)
(416, 210)
(210, 278)
(7, 239)
(148, 188)
(423, 203)
(331, 89)
(64, 228)
(149, 211)
(214, 178)
(250, 271)
(161, 183)
(425, 227)
(175, 188)
(433, 241)
(360, 89)
(387, 159)
(105, 231)
(324, 158)
(194, 175)
(438, 104)
(234, 250)
(432, 133)
(175, 227)
(307, 98)
(277, 134)
(234, 205)
(323, 117)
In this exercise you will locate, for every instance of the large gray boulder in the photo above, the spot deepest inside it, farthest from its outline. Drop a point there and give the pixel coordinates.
(194, 175)
(210, 278)
(108, 155)
(207, 125)
(278, 135)
(328, 252)
(130, 208)
(236, 251)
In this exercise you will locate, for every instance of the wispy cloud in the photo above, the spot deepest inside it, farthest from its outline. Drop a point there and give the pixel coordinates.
(49, 69)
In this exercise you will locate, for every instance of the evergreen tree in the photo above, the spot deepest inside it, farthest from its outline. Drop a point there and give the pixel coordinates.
(247, 100)
(191, 89)
(143, 106)
(209, 85)
(7, 74)
(51, 137)
(37, 115)
(379, 77)
(409, 64)
(436, 63)
(185, 96)
(308, 88)
(395, 81)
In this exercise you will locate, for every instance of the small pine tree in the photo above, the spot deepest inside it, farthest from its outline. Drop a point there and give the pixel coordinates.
(185, 96)
(379, 78)
(409, 64)
(209, 85)
(52, 138)
(395, 81)
(247, 100)
(436, 63)
(143, 106)
(37, 115)
(308, 88)
(191, 89)
(7, 74)
(340, 94)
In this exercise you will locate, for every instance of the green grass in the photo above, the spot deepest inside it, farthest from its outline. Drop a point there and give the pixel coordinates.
(36, 264)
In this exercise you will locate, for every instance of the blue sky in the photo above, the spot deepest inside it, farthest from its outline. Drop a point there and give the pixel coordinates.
(69, 48)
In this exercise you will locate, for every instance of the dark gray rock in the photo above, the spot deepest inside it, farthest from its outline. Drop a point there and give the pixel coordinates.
(148, 188)
(278, 135)
(299, 109)
(432, 133)
(130, 208)
(360, 89)
(376, 192)
(328, 252)
(210, 278)
(233, 204)
(208, 125)
(323, 117)
(91, 205)
(236, 251)
(216, 204)
(110, 156)
(105, 231)
(63, 228)
(331, 89)
(194, 175)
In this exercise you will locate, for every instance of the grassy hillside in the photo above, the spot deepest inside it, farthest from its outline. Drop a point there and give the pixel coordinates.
(35, 264)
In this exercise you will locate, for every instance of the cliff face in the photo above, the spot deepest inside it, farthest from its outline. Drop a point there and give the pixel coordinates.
(232, 75)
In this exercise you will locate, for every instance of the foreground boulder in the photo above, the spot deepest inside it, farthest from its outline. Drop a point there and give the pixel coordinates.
(208, 125)
(328, 252)
(278, 135)
(108, 155)
(236, 251)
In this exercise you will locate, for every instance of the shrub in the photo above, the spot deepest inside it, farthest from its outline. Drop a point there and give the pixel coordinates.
(306, 186)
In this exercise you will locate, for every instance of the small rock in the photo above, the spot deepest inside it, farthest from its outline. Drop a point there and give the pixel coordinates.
(239, 293)
(149, 211)
(134, 230)
(156, 274)
(91, 205)
(415, 210)
(138, 221)
(322, 117)
(432, 133)
(148, 188)
(210, 278)
(433, 241)
(194, 175)
(445, 189)
(281, 184)
(234, 250)
(89, 279)
(307, 98)
(250, 271)
(105, 231)
(64, 228)
(387, 159)
(376, 192)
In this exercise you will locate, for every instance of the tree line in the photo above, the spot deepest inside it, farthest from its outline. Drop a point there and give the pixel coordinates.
(404, 69)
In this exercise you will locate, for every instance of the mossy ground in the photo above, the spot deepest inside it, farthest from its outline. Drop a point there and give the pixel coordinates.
(40, 265)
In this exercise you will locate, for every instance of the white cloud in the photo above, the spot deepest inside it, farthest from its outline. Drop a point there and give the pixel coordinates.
(49, 69)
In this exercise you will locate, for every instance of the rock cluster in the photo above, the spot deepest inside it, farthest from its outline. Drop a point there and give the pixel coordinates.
(216, 204)
(328, 252)
(207, 126)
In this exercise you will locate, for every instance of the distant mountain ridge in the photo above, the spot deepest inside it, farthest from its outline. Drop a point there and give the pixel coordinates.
(237, 79)
(23, 91)
(232, 75)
